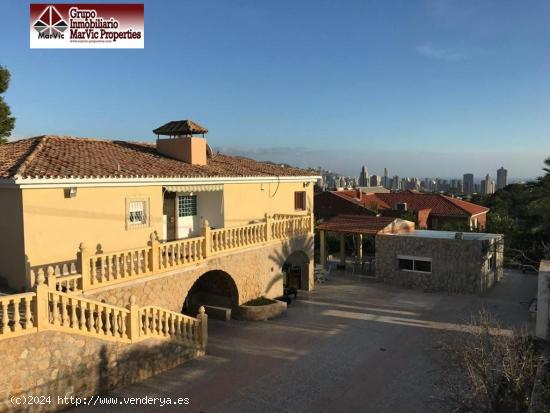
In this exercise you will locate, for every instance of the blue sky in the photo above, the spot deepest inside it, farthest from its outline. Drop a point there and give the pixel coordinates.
(426, 88)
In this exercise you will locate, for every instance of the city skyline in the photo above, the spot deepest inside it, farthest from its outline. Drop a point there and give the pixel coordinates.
(449, 76)
(441, 165)
(466, 186)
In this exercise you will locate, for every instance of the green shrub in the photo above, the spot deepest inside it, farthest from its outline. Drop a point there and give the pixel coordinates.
(260, 301)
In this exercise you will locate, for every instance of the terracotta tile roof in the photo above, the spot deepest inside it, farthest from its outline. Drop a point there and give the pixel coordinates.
(180, 127)
(469, 207)
(366, 201)
(64, 157)
(14, 154)
(439, 205)
(363, 224)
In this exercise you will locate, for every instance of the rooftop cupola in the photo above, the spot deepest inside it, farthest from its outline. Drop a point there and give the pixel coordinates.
(181, 142)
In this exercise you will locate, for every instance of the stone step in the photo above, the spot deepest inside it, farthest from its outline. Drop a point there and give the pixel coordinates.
(218, 313)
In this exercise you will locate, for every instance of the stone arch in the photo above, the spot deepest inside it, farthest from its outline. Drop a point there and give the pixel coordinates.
(296, 269)
(215, 288)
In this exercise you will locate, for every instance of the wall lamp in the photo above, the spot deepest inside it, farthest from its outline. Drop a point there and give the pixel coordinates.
(70, 192)
(306, 184)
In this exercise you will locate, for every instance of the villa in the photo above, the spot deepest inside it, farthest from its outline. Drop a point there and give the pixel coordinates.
(109, 197)
(124, 248)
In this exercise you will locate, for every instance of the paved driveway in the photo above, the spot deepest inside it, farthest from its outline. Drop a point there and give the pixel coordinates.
(349, 346)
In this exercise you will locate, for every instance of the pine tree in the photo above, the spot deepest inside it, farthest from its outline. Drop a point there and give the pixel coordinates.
(7, 122)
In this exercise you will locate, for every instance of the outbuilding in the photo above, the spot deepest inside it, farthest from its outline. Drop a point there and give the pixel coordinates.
(456, 262)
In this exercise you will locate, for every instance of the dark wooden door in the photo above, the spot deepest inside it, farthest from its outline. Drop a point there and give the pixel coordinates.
(295, 277)
(169, 209)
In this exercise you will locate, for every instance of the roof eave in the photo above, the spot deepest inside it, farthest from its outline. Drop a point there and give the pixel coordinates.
(150, 181)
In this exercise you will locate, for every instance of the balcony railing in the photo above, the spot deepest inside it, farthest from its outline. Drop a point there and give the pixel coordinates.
(105, 269)
(47, 309)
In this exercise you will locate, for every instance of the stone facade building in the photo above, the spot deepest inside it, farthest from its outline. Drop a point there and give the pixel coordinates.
(440, 260)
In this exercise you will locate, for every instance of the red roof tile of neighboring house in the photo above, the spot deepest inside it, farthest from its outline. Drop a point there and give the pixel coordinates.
(366, 201)
(439, 205)
(65, 157)
(363, 224)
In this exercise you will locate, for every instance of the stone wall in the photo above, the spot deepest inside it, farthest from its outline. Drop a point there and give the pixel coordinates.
(543, 301)
(256, 271)
(51, 363)
(458, 266)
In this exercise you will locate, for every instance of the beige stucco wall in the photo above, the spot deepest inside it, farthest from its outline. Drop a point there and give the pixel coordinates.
(187, 149)
(12, 251)
(249, 202)
(51, 226)
(55, 225)
(210, 207)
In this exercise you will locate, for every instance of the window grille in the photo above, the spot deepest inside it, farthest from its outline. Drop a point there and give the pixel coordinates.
(136, 213)
(187, 205)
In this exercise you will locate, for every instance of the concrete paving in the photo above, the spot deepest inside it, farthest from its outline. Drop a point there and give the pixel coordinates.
(352, 345)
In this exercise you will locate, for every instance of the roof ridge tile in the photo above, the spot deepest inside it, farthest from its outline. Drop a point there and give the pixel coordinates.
(41, 141)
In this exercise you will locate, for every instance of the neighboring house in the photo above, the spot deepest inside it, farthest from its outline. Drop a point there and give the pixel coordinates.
(431, 211)
(138, 209)
(328, 204)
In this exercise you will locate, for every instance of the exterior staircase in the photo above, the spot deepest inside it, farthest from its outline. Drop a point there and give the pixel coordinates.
(50, 309)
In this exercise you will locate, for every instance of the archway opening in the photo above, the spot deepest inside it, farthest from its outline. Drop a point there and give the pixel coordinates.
(296, 271)
(212, 289)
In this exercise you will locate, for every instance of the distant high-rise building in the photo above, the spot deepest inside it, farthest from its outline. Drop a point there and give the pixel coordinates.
(487, 186)
(375, 180)
(342, 182)
(502, 178)
(468, 183)
(364, 177)
(386, 179)
(396, 184)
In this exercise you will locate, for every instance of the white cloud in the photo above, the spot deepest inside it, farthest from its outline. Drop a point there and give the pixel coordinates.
(429, 51)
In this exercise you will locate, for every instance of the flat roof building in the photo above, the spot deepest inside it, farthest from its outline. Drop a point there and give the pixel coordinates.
(454, 262)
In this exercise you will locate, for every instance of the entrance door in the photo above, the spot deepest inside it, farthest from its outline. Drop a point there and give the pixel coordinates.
(294, 277)
(169, 212)
(187, 216)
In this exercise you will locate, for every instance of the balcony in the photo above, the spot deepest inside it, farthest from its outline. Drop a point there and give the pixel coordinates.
(93, 271)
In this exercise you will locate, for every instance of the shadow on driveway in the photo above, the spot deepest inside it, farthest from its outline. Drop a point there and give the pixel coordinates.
(350, 345)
